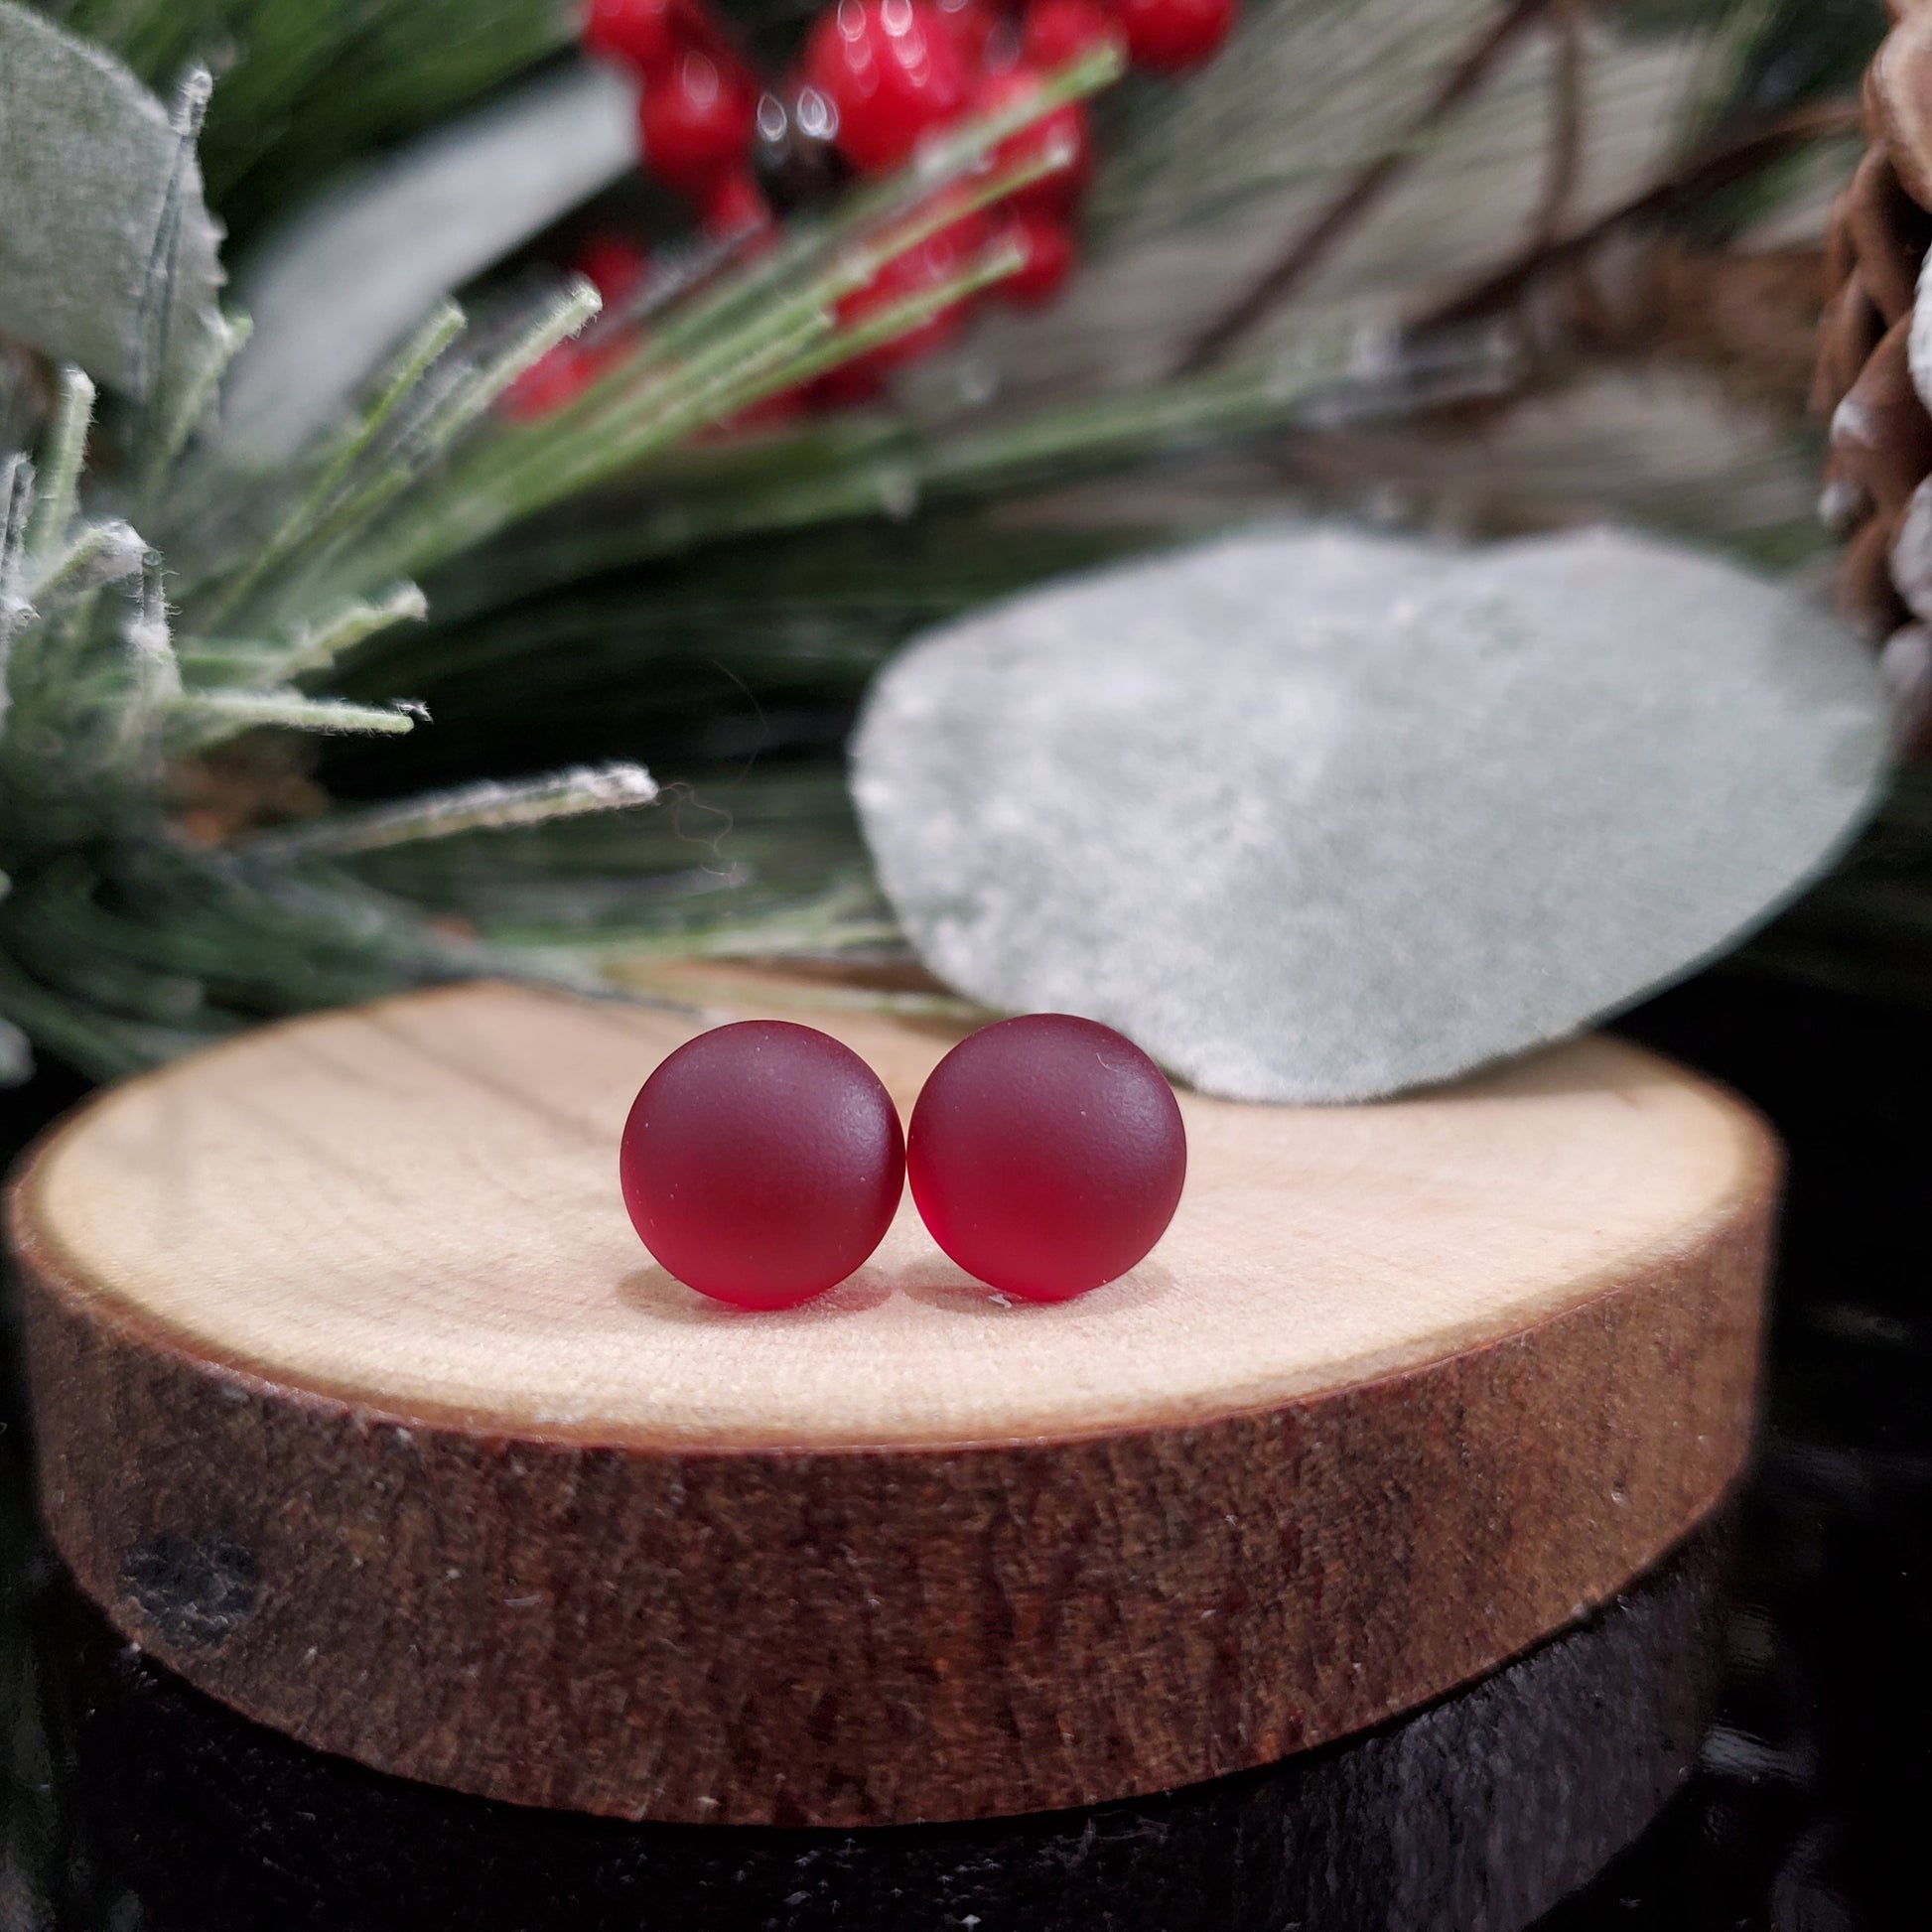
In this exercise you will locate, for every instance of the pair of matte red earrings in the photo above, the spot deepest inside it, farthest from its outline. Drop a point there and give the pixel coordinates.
(763, 1162)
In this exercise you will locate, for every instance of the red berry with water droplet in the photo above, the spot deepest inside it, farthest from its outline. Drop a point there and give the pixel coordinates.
(979, 32)
(1060, 136)
(761, 1162)
(1047, 258)
(892, 71)
(1046, 1155)
(695, 122)
(913, 272)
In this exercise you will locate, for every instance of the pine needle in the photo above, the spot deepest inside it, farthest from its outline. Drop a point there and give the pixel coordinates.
(101, 553)
(66, 450)
(199, 719)
(315, 649)
(488, 806)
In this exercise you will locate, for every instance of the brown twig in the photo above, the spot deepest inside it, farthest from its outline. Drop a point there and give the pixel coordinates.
(1566, 157)
(1703, 176)
(1363, 192)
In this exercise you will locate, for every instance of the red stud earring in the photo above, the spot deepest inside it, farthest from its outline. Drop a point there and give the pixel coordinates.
(761, 1162)
(1046, 1155)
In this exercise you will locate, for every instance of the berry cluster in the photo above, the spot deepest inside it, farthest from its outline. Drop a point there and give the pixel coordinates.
(871, 81)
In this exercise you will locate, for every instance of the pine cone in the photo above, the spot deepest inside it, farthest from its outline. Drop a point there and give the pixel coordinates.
(1877, 490)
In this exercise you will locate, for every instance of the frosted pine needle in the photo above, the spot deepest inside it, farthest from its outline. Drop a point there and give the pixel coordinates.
(488, 806)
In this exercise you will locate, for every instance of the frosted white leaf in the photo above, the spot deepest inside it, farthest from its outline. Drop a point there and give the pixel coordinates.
(1918, 340)
(1315, 815)
(340, 287)
(108, 256)
(1905, 664)
(1911, 554)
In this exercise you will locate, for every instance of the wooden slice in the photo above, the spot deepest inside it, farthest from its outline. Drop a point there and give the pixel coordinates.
(360, 1405)
(1476, 1813)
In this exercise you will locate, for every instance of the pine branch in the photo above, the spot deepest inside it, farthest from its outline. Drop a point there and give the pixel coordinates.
(487, 806)
(399, 384)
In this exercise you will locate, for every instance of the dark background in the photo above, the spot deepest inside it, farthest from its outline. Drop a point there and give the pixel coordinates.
(1808, 1812)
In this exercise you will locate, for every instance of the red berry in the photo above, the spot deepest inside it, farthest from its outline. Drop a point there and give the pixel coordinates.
(890, 70)
(845, 387)
(975, 28)
(695, 121)
(1055, 32)
(1063, 132)
(555, 378)
(734, 205)
(774, 412)
(1171, 36)
(761, 1162)
(616, 267)
(938, 258)
(1048, 252)
(643, 34)
(613, 265)
(1046, 1155)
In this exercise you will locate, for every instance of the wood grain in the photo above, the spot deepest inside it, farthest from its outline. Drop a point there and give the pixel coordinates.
(359, 1406)
(1476, 1813)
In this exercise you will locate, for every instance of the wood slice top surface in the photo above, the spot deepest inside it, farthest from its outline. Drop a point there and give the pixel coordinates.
(361, 1405)
(417, 1208)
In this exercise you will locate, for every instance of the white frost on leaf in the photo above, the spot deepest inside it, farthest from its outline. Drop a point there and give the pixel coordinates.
(1315, 815)
(1918, 339)
(1905, 664)
(1911, 554)
(108, 258)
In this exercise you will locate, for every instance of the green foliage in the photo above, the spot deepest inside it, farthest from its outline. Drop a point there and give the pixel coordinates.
(174, 631)
(615, 580)
(306, 86)
(107, 253)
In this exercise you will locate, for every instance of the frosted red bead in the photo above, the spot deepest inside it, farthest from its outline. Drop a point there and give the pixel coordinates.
(1171, 36)
(1047, 1156)
(761, 1162)
(890, 70)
